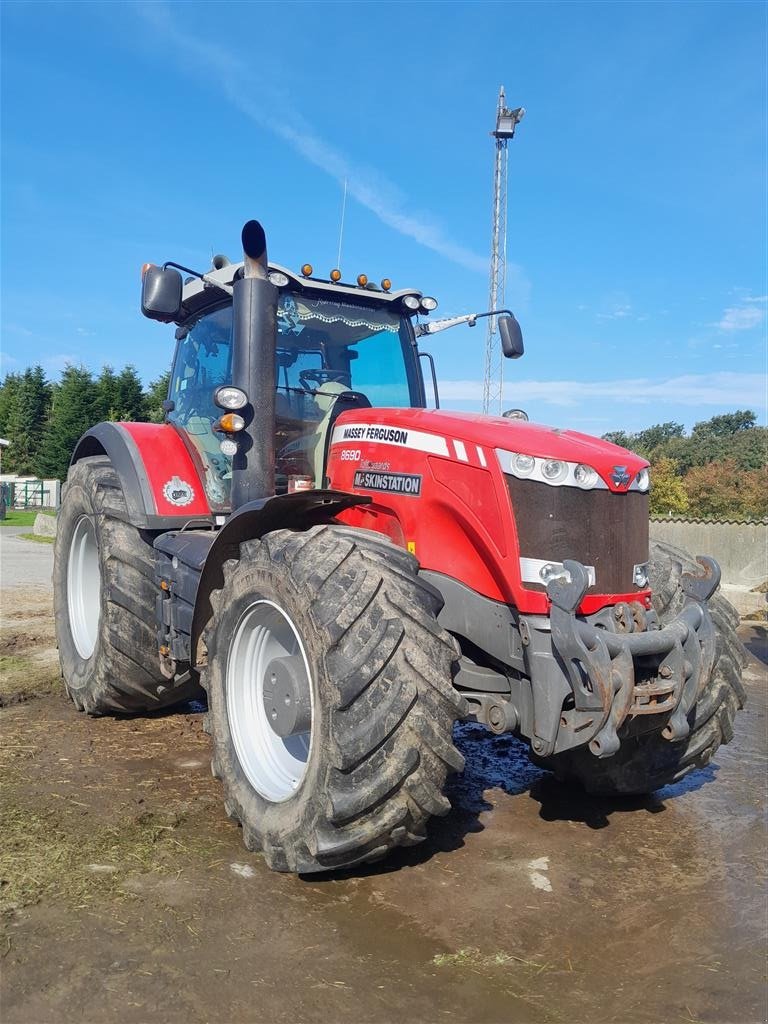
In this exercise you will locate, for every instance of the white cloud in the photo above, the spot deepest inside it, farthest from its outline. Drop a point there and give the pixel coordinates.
(737, 389)
(619, 311)
(744, 316)
(275, 112)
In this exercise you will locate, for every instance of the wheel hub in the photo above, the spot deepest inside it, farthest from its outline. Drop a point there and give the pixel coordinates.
(286, 697)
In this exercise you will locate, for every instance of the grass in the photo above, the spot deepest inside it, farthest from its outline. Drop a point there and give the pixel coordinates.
(44, 856)
(34, 537)
(24, 516)
(23, 677)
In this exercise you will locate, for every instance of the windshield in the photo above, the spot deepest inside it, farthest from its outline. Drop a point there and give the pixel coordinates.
(323, 347)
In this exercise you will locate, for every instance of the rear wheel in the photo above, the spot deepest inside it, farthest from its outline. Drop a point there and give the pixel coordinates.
(646, 762)
(331, 699)
(104, 600)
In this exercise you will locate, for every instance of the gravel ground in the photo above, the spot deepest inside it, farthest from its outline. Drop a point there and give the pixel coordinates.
(23, 563)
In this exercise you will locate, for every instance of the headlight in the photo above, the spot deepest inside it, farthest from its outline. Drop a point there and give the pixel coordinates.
(229, 397)
(278, 279)
(428, 303)
(228, 447)
(523, 465)
(411, 302)
(642, 480)
(553, 470)
(585, 476)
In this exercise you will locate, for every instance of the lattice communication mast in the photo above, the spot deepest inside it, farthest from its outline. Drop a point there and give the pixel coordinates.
(493, 381)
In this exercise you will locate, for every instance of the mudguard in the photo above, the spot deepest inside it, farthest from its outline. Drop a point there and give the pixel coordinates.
(162, 485)
(297, 511)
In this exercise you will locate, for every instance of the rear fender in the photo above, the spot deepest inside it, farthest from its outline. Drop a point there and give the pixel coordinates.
(161, 484)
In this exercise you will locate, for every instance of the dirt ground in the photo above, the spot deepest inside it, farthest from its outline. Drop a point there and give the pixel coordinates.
(127, 895)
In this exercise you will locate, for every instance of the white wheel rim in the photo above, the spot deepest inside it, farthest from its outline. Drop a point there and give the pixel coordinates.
(84, 587)
(275, 766)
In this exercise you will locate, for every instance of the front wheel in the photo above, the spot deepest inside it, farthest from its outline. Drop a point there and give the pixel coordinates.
(331, 699)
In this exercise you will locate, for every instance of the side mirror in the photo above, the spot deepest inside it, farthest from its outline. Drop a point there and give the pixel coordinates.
(511, 337)
(161, 294)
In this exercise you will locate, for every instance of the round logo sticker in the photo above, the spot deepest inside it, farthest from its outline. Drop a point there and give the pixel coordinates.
(178, 491)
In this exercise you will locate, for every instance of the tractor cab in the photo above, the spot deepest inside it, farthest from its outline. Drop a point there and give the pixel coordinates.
(334, 351)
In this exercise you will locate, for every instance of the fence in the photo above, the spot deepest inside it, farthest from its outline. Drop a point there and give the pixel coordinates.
(741, 548)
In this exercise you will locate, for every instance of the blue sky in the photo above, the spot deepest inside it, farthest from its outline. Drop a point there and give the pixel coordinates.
(637, 181)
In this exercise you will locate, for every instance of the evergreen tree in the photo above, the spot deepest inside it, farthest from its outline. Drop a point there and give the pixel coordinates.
(154, 398)
(108, 394)
(130, 395)
(8, 390)
(26, 419)
(74, 410)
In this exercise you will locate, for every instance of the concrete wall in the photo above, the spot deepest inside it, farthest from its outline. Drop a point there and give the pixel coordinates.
(740, 548)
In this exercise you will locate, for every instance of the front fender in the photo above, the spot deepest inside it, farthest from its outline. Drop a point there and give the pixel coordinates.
(297, 511)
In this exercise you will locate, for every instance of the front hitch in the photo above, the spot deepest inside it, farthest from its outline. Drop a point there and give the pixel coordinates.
(615, 676)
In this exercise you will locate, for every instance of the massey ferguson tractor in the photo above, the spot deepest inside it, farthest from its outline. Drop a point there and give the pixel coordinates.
(348, 573)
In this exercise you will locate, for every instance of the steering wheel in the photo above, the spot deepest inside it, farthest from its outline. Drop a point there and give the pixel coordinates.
(319, 377)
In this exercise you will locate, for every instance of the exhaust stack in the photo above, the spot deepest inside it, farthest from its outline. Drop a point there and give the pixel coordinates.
(254, 340)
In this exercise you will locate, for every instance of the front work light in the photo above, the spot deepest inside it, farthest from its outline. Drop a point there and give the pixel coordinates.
(411, 302)
(228, 447)
(230, 397)
(428, 304)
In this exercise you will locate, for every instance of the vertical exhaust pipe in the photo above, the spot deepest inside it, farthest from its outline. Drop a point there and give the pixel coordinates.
(254, 340)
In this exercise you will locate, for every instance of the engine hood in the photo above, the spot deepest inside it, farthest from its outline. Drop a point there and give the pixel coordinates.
(473, 429)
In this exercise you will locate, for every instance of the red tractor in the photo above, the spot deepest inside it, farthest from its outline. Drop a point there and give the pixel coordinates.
(347, 573)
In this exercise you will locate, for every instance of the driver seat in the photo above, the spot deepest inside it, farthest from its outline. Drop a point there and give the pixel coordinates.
(333, 399)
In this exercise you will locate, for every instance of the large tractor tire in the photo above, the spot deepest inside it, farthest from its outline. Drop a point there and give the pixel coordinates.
(104, 600)
(331, 699)
(647, 761)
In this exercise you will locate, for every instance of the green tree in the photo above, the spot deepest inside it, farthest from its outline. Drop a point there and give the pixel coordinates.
(667, 490)
(74, 409)
(108, 396)
(157, 393)
(25, 422)
(727, 424)
(130, 395)
(650, 440)
(8, 390)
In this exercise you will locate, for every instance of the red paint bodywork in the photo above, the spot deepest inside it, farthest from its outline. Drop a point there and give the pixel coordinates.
(462, 523)
(164, 455)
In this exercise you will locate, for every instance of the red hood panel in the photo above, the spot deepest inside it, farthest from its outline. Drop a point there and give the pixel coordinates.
(511, 435)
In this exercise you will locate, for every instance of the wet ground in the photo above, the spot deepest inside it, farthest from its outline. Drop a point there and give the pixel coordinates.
(128, 897)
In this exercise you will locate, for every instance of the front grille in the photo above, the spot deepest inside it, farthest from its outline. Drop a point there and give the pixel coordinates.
(599, 528)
